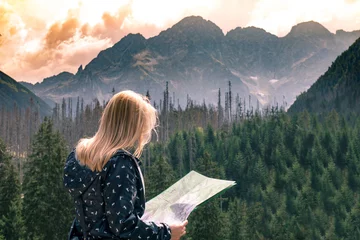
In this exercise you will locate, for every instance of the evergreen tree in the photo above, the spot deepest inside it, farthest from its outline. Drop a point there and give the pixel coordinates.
(208, 222)
(159, 176)
(11, 227)
(238, 220)
(177, 151)
(47, 207)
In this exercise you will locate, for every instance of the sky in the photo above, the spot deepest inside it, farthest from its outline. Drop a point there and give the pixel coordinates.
(41, 38)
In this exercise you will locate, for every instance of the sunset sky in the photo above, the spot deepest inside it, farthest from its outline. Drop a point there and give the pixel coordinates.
(41, 38)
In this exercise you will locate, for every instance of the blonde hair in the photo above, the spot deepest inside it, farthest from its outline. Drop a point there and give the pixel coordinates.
(126, 122)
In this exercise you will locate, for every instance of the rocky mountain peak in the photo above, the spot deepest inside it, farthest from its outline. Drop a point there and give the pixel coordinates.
(310, 28)
(249, 33)
(80, 69)
(194, 27)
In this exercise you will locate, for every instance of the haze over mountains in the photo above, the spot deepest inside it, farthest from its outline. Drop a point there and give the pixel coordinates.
(196, 58)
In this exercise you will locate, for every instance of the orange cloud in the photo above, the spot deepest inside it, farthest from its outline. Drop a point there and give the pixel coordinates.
(8, 23)
(37, 60)
(111, 25)
(60, 32)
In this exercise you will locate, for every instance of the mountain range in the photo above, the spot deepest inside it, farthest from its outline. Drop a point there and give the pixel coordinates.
(338, 88)
(197, 58)
(13, 93)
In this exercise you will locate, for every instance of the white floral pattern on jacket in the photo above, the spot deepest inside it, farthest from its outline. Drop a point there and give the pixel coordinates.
(113, 200)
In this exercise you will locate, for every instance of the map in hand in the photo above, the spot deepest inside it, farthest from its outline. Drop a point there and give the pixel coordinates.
(175, 204)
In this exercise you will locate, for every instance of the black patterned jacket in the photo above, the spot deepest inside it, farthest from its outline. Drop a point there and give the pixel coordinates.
(111, 201)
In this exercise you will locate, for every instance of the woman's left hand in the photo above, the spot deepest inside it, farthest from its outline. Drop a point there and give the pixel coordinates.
(178, 230)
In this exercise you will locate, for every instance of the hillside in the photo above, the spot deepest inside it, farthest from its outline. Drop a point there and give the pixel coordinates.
(12, 92)
(197, 58)
(338, 88)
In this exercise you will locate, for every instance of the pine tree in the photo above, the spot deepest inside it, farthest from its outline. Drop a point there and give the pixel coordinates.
(159, 177)
(230, 102)
(219, 110)
(177, 150)
(148, 95)
(47, 207)
(208, 222)
(238, 220)
(10, 201)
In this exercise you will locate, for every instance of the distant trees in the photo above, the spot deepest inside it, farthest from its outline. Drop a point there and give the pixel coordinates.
(74, 119)
(18, 126)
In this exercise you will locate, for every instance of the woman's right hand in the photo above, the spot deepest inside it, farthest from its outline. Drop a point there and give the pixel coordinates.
(178, 230)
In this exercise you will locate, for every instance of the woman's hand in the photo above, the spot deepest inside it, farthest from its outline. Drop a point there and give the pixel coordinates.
(178, 230)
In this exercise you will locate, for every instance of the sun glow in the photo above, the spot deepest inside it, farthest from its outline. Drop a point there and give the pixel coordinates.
(278, 16)
(32, 46)
(162, 12)
(91, 11)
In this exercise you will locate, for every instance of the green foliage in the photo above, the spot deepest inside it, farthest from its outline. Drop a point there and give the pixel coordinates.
(11, 225)
(47, 207)
(9, 84)
(337, 89)
(209, 222)
(214, 222)
(297, 178)
(160, 176)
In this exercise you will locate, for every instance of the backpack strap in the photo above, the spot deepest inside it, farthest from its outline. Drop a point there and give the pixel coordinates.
(137, 163)
(81, 210)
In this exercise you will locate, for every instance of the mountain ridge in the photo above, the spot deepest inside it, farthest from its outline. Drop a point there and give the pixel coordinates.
(196, 51)
(12, 92)
(338, 88)
(309, 28)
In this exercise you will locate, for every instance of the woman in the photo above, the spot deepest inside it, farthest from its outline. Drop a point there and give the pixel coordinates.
(105, 179)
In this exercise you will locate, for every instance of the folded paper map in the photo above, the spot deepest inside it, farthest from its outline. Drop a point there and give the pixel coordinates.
(175, 204)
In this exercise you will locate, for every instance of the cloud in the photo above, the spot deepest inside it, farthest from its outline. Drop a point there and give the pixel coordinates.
(63, 47)
(147, 30)
(66, 57)
(231, 14)
(111, 25)
(85, 49)
(10, 24)
(278, 16)
(13, 34)
(67, 44)
(351, 1)
(50, 37)
(60, 32)
(42, 38)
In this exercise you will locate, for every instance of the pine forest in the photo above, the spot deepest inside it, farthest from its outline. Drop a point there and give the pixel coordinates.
(297, 174)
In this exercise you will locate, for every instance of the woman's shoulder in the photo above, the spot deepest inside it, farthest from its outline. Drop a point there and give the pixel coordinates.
(120, 159)
(125, 154)
(120, 164)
